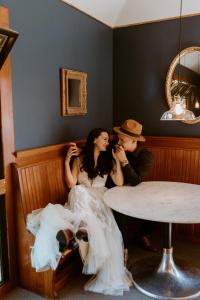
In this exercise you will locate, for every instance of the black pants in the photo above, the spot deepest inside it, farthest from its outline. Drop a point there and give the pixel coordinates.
(123, 222)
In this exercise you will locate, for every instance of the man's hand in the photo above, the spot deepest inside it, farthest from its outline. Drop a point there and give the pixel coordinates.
(120, 153)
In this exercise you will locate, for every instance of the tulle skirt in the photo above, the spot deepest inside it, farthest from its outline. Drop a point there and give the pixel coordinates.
(105, 256)
(45, 224)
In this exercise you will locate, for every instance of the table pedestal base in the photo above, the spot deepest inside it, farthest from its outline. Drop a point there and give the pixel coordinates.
(166, 280)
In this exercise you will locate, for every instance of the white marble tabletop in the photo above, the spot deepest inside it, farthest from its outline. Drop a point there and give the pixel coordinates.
(161, 201)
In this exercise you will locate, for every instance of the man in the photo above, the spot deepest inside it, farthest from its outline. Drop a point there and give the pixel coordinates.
(136, 162)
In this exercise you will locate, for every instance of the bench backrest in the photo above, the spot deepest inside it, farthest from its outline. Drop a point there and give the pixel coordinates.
(42, 183)
(41, 171)
(175, 165)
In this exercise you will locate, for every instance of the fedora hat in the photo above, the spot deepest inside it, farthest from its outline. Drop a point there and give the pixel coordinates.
(131, 128)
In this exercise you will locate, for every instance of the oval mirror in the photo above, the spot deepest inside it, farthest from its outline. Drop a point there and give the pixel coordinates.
(183, 78)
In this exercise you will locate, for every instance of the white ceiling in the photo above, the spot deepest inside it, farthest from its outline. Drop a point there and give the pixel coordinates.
(116, 13)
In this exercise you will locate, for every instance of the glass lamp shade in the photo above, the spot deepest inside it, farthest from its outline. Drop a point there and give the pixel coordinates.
(197, 104)
(178, 111)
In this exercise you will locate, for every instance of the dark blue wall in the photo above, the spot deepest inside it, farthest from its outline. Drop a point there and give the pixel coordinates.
(53, 35)
(142, 56)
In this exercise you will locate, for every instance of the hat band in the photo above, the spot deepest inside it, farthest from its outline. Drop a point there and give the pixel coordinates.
(129, 133)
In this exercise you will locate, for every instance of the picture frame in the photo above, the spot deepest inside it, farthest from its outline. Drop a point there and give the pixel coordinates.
(7, 40)
(73, 92)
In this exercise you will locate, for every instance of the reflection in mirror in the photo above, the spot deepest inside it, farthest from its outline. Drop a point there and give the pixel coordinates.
(189, 85)
(184, 79)
(74, 92)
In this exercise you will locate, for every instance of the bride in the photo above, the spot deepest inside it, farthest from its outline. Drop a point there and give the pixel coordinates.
(87, 212)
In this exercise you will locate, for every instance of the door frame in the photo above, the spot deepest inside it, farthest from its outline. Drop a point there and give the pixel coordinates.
(7, 124)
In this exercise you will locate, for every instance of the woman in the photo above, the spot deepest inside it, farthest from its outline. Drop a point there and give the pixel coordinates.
(87, 212)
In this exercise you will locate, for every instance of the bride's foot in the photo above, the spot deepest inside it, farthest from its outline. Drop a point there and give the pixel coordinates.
(64, 237)
(82, 237)
(82, 234)
(83, 250)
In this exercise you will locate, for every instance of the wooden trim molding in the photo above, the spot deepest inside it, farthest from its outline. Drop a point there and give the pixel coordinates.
(154, 141)
(155, 21)
(173, 142)
(8, 150)
(35, 155)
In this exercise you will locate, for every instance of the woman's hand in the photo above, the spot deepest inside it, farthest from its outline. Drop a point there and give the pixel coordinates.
(117, 174)
(72, 151)
(114, 155)
(71, 173)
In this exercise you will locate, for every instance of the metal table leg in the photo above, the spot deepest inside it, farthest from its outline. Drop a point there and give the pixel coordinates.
(166, 280)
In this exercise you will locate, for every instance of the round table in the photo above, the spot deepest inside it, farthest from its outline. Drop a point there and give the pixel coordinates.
(168, 202)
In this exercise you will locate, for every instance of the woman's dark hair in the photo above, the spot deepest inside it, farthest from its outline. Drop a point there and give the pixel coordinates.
(105, 160)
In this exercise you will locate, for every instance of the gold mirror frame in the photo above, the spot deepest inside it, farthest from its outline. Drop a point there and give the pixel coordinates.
(71, 91)
(169, 79)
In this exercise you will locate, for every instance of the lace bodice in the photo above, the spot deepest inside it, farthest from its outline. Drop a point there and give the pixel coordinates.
(96, 182)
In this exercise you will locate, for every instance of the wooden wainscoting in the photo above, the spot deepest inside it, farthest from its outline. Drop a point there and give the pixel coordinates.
(176, 159)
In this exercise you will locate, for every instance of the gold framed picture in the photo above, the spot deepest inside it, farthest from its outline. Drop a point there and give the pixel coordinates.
(73, 92)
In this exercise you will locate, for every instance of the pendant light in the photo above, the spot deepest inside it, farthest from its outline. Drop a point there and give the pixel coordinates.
(7, 40)
(197, 104)
(178, 111)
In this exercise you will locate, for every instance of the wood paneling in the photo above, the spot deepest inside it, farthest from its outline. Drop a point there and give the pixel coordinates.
(176, 159)
(41, 184)
(39, 180)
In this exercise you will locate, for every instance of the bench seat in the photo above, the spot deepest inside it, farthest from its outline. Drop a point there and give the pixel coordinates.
(39, 180)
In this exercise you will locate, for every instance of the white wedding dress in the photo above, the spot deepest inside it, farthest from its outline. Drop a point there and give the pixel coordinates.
(85, 208)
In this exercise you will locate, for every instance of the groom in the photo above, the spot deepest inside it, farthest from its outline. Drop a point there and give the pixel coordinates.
(136, 162)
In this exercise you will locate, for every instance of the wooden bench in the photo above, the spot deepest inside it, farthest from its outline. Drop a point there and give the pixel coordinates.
(39, 180)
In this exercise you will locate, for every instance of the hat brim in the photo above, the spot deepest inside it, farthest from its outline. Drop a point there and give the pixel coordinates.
(140, 138)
